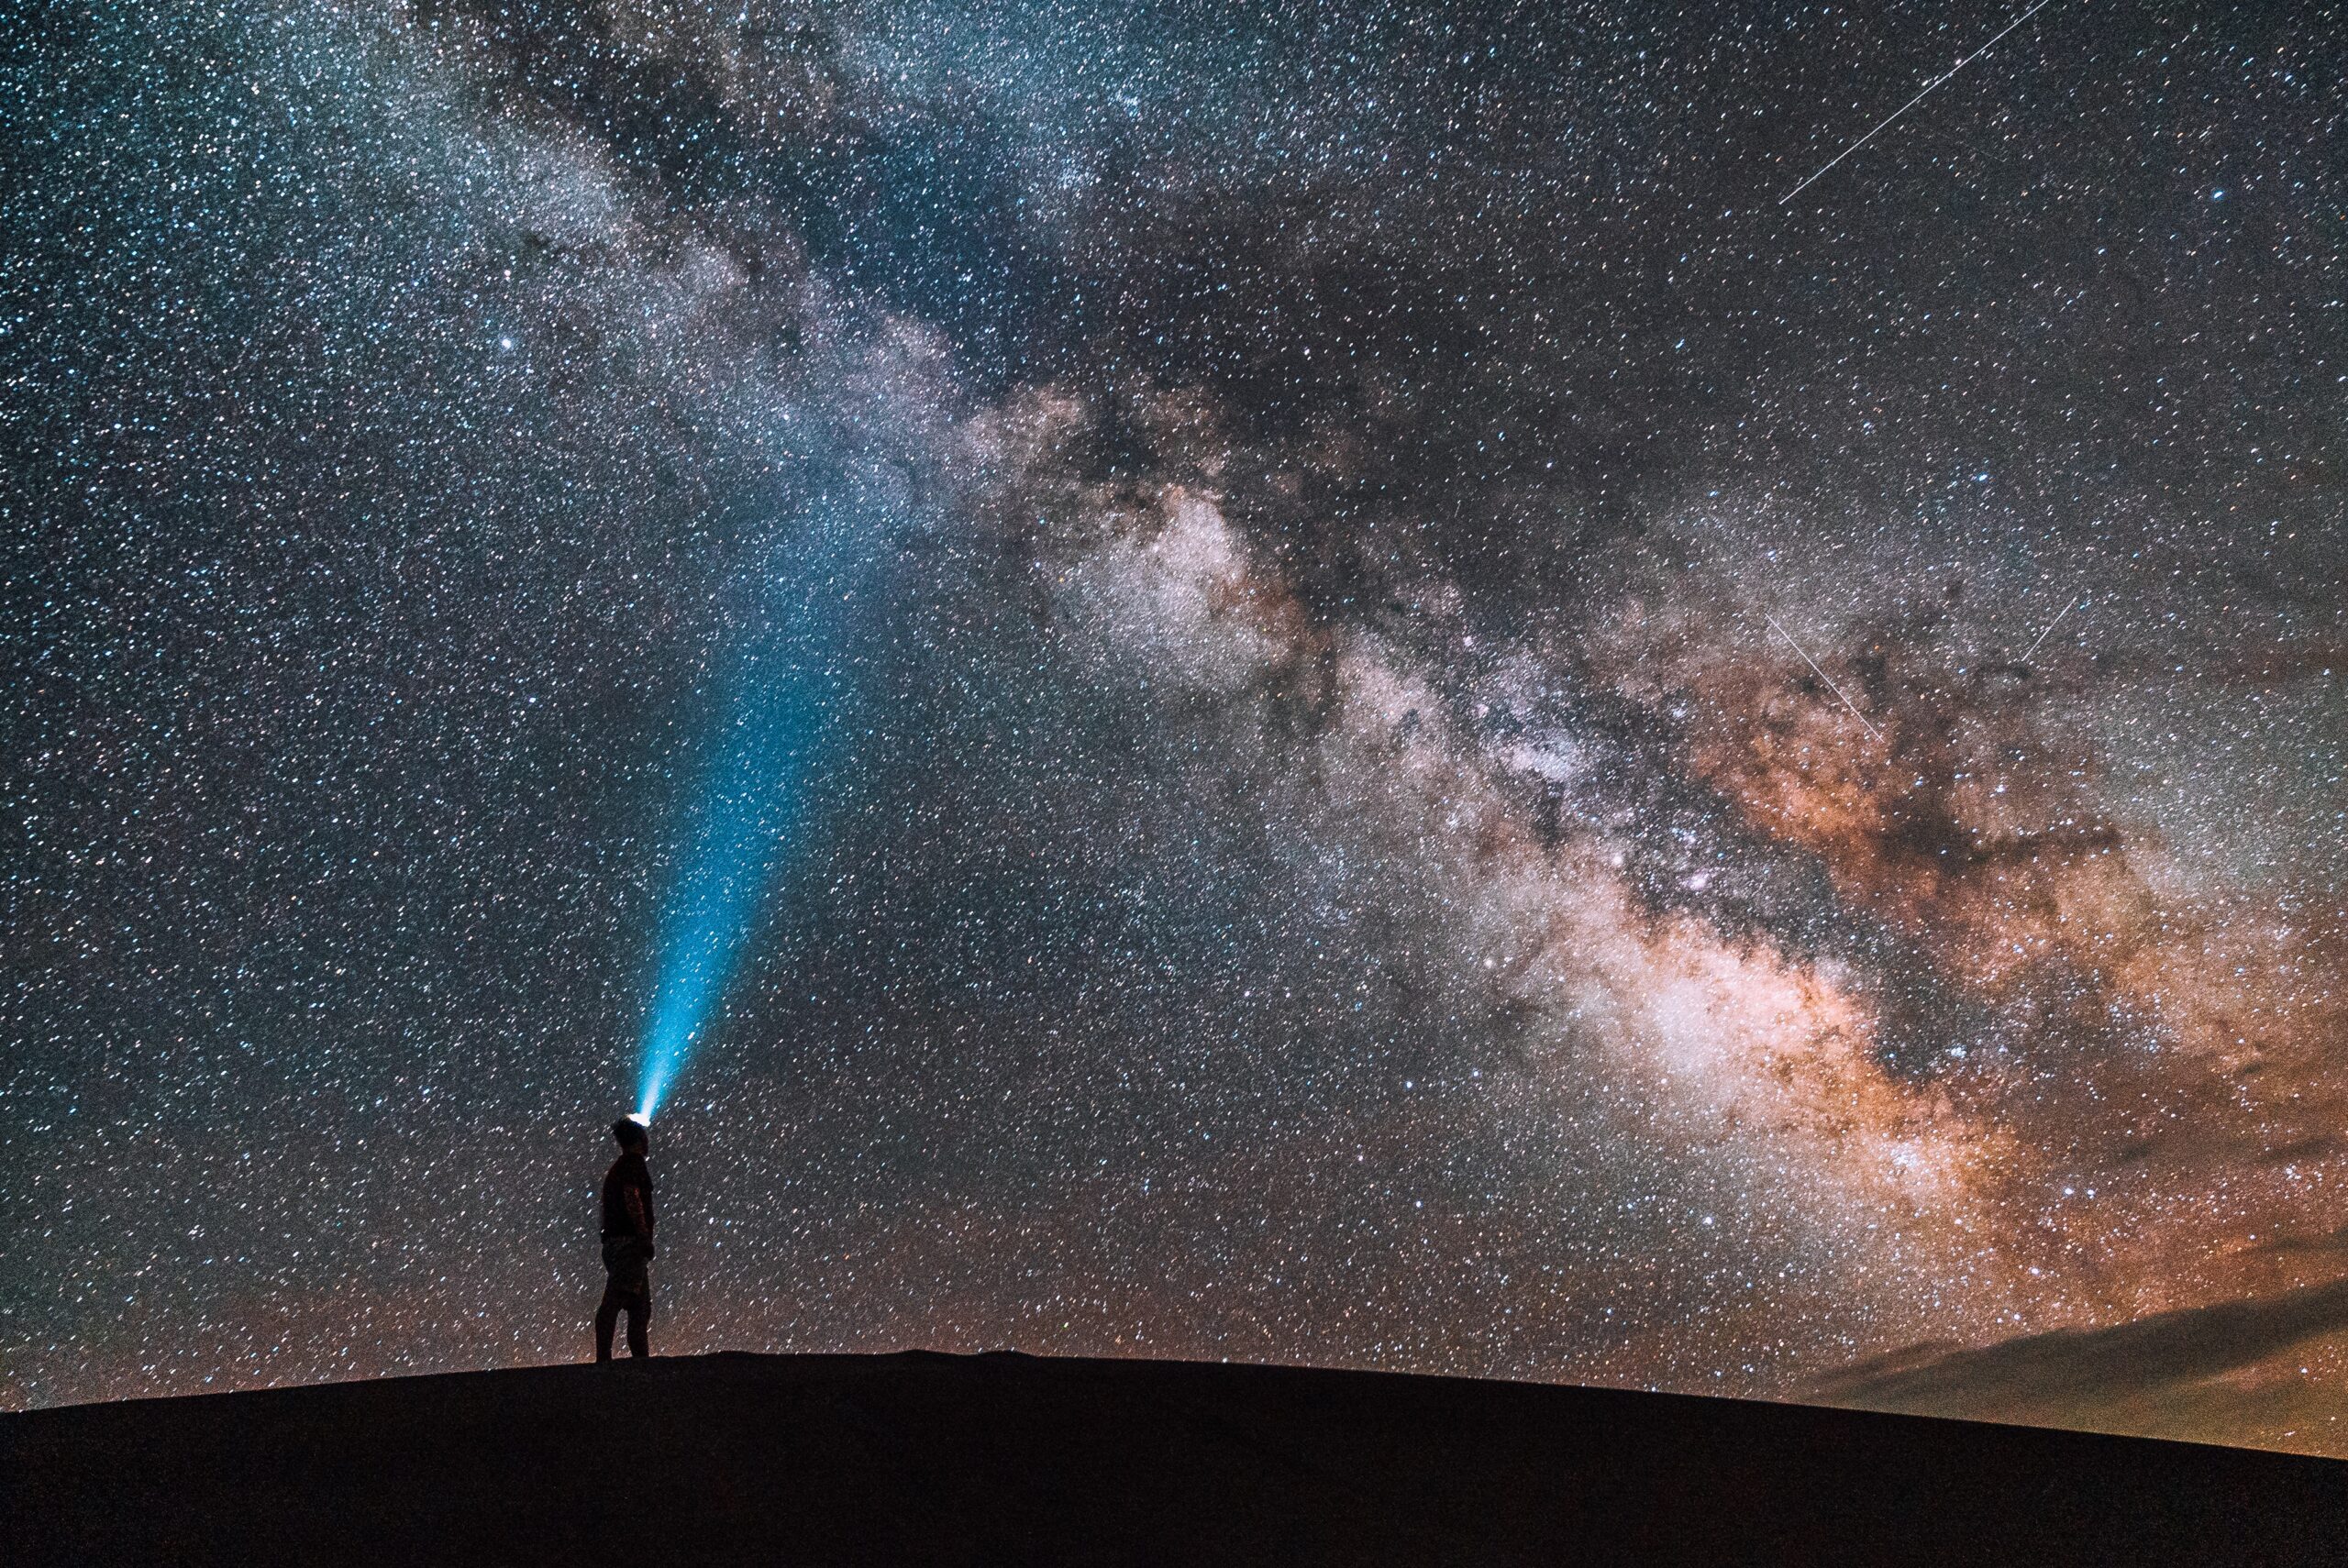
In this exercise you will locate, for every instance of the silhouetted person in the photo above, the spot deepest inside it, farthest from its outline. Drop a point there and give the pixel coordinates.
(627, 1243)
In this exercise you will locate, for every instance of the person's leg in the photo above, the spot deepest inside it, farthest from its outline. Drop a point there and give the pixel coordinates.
(639, 1325)
(607, 1317)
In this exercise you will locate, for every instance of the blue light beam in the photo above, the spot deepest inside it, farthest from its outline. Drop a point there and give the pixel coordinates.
(755, 809)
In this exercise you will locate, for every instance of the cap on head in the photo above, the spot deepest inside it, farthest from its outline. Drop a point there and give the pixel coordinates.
(629, 1131)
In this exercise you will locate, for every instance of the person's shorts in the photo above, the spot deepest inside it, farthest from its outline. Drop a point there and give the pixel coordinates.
(625, 1261)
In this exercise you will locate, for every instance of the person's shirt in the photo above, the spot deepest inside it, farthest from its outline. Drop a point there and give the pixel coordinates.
(628, 1178)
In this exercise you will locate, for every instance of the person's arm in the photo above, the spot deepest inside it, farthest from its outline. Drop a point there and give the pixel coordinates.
(639, 1210)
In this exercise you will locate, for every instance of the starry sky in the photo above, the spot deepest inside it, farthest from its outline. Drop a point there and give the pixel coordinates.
(1422, 728)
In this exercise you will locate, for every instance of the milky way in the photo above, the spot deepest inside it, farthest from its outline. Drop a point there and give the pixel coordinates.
(1307, 532)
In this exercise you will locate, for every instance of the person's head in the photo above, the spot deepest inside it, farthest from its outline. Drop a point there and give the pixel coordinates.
(629, 1133)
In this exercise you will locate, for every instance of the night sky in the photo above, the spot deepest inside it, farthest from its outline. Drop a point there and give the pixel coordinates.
(1348, 702)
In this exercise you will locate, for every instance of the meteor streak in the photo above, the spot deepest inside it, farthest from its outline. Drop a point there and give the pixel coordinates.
(2067, 609)
(1826, 677)
(1912, 102)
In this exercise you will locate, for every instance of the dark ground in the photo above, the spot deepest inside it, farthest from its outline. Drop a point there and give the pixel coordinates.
(925, 1458)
